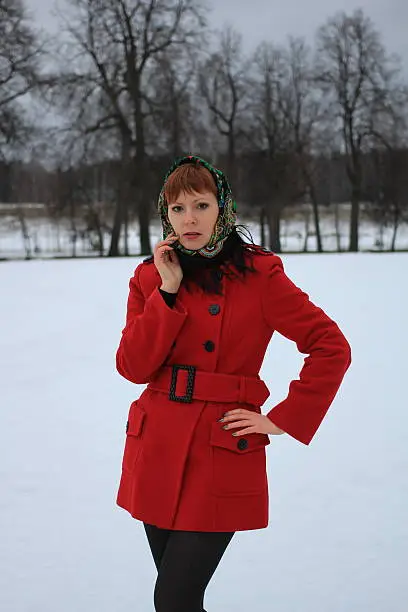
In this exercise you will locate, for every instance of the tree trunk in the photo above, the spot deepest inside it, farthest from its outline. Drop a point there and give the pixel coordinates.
(144, 218)
(73, 227)
(274, 230)
(117, 225)
(354, 218)
(121, 201)
(263, 221)
(231, 161)
(126, 220)
(395, 228)
(337, 226)
(142, 195)
(316, 219)
(307, 230)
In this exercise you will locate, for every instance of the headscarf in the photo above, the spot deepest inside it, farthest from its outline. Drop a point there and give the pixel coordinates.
(227, 210)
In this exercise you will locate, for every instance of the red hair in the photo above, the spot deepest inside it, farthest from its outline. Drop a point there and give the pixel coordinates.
(189, 177)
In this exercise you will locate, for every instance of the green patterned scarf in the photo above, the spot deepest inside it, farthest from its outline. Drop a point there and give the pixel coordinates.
(227, 210)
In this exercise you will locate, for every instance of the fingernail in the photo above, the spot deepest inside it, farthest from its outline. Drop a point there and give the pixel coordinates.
(221, 419)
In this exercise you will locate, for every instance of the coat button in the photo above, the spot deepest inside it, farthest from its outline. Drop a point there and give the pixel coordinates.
(214, 309)
(242, 444)
(209, 346)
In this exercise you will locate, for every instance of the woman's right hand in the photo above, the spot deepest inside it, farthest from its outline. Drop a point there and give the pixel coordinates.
(167, 264)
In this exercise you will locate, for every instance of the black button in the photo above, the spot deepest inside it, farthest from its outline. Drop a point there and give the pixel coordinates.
(214, 309)
(242, 444)
(209, 346)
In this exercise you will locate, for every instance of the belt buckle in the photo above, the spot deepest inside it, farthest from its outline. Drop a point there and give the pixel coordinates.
(188, 398)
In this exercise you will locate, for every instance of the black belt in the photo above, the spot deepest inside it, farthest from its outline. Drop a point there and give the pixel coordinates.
(209, 386)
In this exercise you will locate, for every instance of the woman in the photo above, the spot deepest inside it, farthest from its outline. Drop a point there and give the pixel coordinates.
(200, 315)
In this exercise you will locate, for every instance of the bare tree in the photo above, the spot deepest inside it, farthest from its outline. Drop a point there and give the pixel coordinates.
(114, 47)
(302, 110)
(173, 121)
(224, 85)
(387, 182)
(21, 52)
(20, 55)
(354, 73)
(270, 132)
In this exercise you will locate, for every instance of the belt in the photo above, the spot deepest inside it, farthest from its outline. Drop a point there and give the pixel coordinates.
(208, 386)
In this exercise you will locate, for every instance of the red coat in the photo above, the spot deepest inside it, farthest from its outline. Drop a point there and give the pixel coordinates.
(180, 469)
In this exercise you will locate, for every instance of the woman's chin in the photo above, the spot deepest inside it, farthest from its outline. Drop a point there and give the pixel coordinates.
(193, 245)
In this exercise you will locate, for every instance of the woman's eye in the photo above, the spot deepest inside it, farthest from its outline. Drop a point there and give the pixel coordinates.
(174, 209)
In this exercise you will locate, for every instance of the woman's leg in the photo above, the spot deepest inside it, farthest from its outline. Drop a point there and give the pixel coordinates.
(186, 561)
(157, 539)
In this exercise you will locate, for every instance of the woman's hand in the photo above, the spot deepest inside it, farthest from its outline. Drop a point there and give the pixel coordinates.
(167, 264)
(256, 423)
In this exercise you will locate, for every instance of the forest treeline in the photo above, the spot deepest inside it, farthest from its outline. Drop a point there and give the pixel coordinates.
(91, 119)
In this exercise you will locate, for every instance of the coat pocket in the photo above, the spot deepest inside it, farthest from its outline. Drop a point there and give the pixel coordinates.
(239, 462)
(134, 430)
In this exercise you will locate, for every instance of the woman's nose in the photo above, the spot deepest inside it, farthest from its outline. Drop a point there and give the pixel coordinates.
(190, 218)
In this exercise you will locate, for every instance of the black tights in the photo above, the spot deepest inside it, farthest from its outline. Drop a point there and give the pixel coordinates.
(185, 562)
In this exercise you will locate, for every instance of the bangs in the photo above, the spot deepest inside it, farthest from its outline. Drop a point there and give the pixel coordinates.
(189, 177)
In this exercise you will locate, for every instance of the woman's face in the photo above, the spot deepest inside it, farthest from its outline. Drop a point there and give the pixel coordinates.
(194, 212)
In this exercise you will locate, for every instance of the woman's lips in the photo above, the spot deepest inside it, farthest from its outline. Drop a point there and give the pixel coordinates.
(191, 236)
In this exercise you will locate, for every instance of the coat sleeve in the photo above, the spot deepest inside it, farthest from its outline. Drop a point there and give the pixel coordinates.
(288, 310)
(150, 330)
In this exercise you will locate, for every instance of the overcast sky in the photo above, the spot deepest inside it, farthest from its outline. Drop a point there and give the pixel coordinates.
(274, 20)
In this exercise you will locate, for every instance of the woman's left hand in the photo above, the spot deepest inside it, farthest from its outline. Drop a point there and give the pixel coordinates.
(257, 423)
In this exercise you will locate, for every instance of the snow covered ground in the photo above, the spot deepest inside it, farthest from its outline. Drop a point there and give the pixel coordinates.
(338, 534)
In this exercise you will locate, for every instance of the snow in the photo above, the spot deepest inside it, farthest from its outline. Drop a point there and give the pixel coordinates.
(337, 540)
